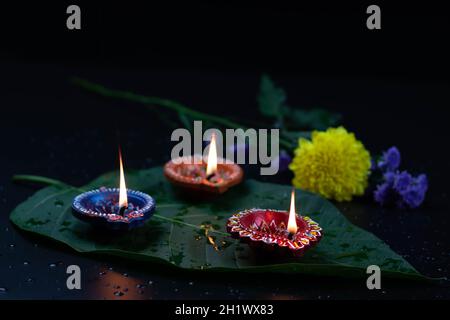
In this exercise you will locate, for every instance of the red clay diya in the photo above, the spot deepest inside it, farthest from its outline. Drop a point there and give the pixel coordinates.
(275, 229)
(211, 176)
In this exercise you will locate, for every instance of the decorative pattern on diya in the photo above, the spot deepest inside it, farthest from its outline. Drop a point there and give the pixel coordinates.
(268, 227)
(191, 173)
(101, 208)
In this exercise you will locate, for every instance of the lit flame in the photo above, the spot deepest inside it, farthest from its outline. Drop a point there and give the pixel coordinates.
(123, 199)
(211, 167)
(292, 223)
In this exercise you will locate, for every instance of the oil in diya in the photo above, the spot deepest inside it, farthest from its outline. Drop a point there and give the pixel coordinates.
(215, 176)
(275, 230)
(114, 208)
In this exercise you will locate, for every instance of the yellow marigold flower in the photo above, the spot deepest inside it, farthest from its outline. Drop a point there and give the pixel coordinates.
(333, 164)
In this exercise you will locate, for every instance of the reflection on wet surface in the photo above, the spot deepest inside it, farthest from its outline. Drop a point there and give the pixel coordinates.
(116, 285)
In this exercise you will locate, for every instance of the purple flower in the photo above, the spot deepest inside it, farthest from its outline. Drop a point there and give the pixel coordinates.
(390, 161)
(414, 194)
(412, 198)
(383, 193)
(373, 165)
(389, 177)
(402, 181)
(398, 187)
(402, 189)
(283, 161)
(422, 181)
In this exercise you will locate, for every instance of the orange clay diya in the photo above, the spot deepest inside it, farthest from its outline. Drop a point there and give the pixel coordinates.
(275, 230)
(194, 174)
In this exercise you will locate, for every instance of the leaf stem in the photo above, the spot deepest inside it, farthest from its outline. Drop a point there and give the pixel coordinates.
(169, 104)
(188, 224)
(38, 179)
(43, 180)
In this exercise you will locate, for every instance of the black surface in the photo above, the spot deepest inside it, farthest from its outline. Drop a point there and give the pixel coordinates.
(395, 94)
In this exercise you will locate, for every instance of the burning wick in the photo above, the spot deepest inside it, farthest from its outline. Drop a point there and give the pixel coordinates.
(123, 199)
(211, 167)
(292, 223)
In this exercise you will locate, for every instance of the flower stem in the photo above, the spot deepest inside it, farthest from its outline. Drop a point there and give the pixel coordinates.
(169, 104)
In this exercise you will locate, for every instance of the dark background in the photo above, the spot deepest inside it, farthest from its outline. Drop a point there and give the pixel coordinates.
(390, 85)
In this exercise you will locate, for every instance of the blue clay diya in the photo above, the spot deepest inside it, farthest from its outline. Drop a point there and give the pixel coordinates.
(101, 208)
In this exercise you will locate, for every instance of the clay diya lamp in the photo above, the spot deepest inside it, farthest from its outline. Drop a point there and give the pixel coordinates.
(214, 176)
(275, 230)
(114, 208)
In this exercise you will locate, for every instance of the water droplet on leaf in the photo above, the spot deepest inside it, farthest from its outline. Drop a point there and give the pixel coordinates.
(59, 203)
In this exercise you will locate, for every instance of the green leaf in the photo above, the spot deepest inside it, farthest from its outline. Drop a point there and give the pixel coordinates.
(176, 234)
(317, 119)
(270, 98)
